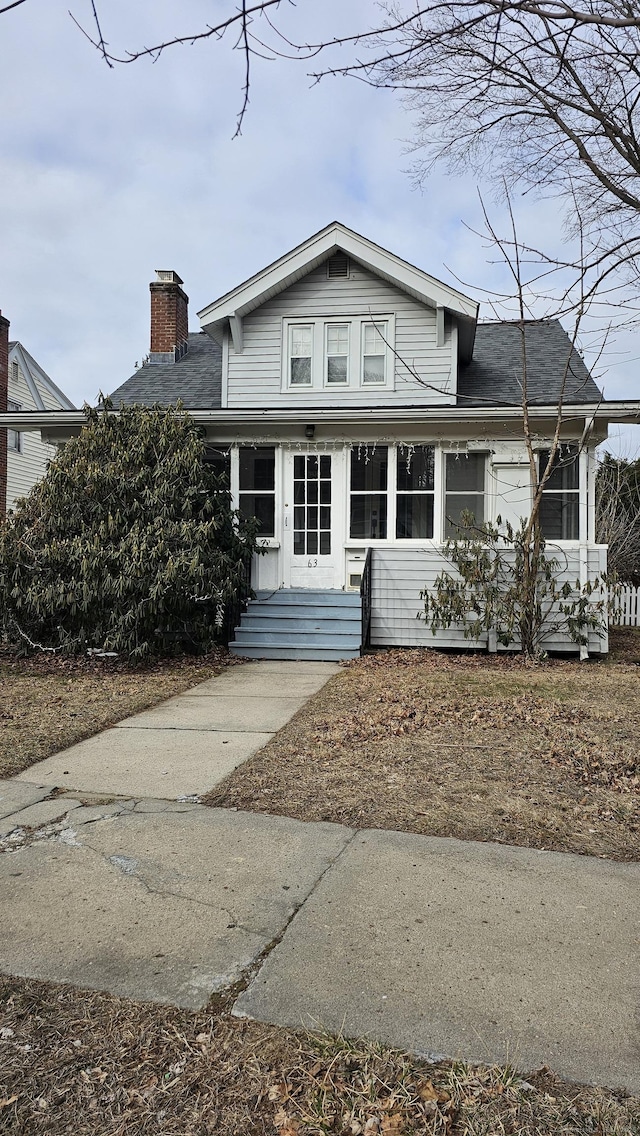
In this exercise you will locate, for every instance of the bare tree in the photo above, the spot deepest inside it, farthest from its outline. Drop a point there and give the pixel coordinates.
(506, 581)
(618, 516)
(539, 94)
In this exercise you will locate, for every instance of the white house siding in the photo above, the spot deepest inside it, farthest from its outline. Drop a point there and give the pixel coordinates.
(255, 374)
(28, 466)
(400, 574)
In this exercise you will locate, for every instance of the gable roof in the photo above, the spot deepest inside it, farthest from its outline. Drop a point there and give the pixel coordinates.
(196, 379)
(494, 375)
(276, 277)
(34, 374)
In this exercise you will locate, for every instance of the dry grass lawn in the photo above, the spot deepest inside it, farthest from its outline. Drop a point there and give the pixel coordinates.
(462, 746)
(468, 746)
(47, 704)
(83, 1063)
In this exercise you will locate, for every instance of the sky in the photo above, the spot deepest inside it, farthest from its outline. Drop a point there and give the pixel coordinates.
(109, 174)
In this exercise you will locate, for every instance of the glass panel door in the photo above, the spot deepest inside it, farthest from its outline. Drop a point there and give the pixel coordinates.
(313, 520)
(312, 505)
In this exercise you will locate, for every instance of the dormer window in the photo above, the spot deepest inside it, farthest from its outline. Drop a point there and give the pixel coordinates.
(352, 353)
(337, 353)
(300, 354)
(374, 351)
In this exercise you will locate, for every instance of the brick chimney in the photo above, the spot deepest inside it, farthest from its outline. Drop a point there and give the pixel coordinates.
(4, 392)
(169, 318)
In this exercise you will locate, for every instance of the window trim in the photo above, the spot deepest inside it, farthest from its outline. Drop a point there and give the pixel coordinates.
(241, 492)
(326, 356)
(387, 493)
(486, 498)
(386, 352)
(355, 360)
(432, 493)
(307, 324)
(573, 493)
(14, 407)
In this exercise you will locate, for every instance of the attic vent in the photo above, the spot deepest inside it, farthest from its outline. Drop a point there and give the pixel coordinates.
(338, 266)
(15, 371)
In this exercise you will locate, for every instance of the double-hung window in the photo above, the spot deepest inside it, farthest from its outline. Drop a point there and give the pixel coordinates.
(329, 352)
(368, 497)
(14, 437)
(220, 462)
(560, 504)
(464, 506)
(337, 353)
(374, 353)
(257, 472)
(300, 354)
(415, 493)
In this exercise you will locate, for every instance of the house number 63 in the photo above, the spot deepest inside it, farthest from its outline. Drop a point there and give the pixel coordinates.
(312, 563)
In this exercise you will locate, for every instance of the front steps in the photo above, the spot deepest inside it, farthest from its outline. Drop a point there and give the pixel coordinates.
(300, 623)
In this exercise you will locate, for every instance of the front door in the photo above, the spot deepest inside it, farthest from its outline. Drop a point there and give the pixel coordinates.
(311, 517)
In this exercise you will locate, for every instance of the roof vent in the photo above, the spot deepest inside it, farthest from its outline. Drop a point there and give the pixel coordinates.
(338, 267)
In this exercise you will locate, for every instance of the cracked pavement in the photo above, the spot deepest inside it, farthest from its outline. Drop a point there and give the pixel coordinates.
(113, 876)
(154, 900)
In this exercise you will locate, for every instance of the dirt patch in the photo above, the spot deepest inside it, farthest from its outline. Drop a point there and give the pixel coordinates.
(466, 746)
(90, 1064)
(48, 703)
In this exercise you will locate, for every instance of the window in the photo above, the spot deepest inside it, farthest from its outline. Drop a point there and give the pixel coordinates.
(326, 353)
(257, 470)
(337, 353)
(374, 352)
(368, 513)
(220, 462)
(414, 498)
(464, 492)
(300, 354)
(14, 437)
(560, 505)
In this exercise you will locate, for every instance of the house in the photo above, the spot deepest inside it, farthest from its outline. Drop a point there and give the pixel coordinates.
(357, 405)
(24, 456)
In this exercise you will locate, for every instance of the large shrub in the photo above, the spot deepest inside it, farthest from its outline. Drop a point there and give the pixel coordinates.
(128, 543)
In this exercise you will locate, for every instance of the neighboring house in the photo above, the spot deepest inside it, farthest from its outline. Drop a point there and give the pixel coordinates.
(356, 403)
(29, 389)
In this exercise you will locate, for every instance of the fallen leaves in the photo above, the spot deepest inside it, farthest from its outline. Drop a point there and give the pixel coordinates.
(477, 749)
(239, 1077)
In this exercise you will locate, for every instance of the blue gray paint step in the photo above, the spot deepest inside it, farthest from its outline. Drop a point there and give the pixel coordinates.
(300, 623)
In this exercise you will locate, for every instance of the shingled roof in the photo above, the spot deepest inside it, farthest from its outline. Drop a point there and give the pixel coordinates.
(494, 375)
(493, 378)
(196, 379)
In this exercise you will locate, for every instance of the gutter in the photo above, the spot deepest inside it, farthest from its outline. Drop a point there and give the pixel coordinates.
(596, 412)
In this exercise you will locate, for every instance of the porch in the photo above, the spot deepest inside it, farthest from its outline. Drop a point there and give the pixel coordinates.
(382, 609)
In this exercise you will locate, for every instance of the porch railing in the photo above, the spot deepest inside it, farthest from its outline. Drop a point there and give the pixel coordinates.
(365, 602)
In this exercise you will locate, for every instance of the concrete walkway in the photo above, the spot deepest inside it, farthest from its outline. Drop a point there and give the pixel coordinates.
(188, 744)
(435, 945)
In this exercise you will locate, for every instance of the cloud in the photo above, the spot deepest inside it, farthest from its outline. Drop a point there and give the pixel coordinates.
(110, 174)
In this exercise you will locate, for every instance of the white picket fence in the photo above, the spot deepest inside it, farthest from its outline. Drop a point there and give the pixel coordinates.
(624, 610)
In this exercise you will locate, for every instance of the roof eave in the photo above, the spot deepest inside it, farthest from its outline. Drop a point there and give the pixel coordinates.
(55, 423)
